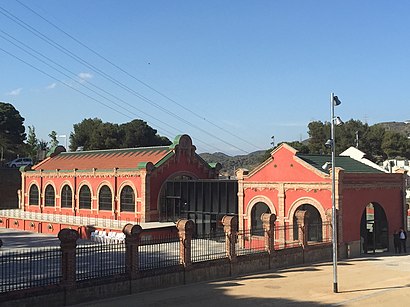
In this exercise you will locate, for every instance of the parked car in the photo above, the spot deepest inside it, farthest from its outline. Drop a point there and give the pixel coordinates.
(20, 162)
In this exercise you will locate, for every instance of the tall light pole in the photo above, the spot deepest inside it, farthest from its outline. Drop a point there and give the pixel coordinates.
(334, 101)
(65, 139)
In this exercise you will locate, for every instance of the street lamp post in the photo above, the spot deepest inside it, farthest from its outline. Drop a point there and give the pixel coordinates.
(65, 140)
(334, 101)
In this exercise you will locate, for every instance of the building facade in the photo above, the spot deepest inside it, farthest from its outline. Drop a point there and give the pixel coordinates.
(369, 202)
(120, 184)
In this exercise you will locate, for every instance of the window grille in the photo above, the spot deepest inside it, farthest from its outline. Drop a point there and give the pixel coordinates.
(127, 199)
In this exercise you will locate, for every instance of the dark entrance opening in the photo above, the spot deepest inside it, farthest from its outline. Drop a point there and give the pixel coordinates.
(256, 221)
(315, 233)
(205, 202)
(374, 230)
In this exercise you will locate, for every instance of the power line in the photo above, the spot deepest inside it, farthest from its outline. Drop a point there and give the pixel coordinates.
(51, 42)
(132, 76)
(79, 91)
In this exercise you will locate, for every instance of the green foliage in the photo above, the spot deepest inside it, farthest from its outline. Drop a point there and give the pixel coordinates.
(12, 131)
(32, 143)
(93, 134)
(53, 136)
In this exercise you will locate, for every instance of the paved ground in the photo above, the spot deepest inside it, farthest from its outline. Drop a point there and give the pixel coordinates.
(368, 281)
(14, 238)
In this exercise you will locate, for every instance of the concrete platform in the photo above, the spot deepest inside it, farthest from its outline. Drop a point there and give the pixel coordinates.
(381, 280)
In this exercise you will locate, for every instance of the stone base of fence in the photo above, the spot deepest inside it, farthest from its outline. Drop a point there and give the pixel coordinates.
(168, 277)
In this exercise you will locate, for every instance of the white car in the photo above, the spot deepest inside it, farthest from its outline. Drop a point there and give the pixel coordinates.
(20, 162)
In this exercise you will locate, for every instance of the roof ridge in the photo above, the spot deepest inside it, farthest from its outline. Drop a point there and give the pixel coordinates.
(115, 150)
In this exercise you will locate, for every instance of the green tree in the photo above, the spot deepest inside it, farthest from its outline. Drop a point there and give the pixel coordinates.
(138, 133)
(53, 136)
(32, 143)
(12, 131)
(395, 145)
(94, 134)
(318, 133)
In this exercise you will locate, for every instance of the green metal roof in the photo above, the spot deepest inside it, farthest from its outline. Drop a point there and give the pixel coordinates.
(348, 164)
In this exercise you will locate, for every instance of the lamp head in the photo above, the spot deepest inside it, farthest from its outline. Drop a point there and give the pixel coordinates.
(336, 101)
(338, 121)
(326, 165)
(329, 143)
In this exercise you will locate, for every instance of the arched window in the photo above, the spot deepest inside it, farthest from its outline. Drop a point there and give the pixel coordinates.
(50, 196)
(257, 210)
(105, 198)
(66, 197)
(33, 198)
(85, 197)
(127, 199)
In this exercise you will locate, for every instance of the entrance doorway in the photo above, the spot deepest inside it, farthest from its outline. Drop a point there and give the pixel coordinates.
(374, 235)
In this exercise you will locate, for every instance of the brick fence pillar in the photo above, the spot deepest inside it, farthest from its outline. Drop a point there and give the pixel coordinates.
(132, 241)
(302, 220)
(185, 232)
(268, 221)
(68, 243)
(231, 230)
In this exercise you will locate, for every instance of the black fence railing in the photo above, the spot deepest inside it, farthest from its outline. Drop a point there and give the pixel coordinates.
(208, 247)
(100, 260)
(158, 252)
(36, 267)
(250, 242)
(29, 268)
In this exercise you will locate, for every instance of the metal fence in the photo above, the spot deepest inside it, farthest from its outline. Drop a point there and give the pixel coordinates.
(250, 242)
(29, 268)
(158, 252)
(100, 260)
(208, 247)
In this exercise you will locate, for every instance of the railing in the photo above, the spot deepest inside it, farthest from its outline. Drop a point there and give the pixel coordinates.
(100, 260)
(29, 268)
(250, 242)
(158, 252)
(66, 218)
(208, 247)
(22, 269)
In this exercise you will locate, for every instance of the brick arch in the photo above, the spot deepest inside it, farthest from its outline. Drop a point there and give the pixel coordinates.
(80, 185)
(253, 202)
(306, 201)
(131, 184)
(257, 199)
(29, 190)
(314, 203)
(63, 184)
(46, 184)
(120, 188)
(109, 185)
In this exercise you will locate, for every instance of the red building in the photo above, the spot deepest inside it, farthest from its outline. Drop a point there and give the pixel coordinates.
(370, 203)
(123, 184)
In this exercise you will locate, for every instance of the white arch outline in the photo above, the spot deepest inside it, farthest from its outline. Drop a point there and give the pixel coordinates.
(47, 183)
(120, 188)
(253, 202)
(80, 185)
(63, 184)
(34, 182)
(109, 185)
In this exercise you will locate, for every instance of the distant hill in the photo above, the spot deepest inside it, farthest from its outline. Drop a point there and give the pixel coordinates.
(229, 163)
(400, 127)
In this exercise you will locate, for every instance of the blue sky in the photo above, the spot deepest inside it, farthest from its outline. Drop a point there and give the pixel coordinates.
(229, 73)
